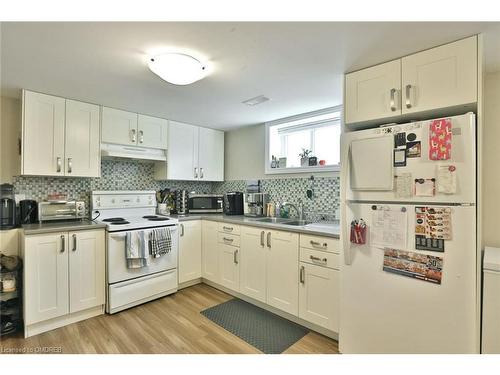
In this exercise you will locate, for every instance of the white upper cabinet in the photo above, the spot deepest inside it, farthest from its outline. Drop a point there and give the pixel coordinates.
(119, 126)
(43, 134)
(60, 137)
(427, 82)
(211, 155)
(193, 154)
(82, 146)
(152, 132)
(182, 152)
(441, 77)
(373, 93)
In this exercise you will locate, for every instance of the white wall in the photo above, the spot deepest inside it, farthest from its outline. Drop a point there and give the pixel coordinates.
(245, 155)
(491, 161)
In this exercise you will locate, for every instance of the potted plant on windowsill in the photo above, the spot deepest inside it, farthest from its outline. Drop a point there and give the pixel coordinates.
(304, 157)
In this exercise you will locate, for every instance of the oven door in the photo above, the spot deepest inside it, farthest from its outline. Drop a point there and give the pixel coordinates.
(205, 203)
(117, 263)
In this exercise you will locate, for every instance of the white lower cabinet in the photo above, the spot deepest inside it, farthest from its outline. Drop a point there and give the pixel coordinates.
(64, 274)
(319, 295)
(189, 251)
(229, 266)
(282, 276)
(210, 251)
(253, 263)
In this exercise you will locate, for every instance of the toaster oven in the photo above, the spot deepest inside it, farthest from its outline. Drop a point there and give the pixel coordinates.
(65, 210)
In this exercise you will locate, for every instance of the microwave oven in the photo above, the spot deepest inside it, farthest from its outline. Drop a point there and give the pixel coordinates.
(205, 203)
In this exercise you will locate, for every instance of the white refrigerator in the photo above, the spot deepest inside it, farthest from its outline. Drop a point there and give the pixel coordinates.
(412, 286)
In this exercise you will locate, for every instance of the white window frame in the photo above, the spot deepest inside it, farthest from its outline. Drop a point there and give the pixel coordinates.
(318, 168)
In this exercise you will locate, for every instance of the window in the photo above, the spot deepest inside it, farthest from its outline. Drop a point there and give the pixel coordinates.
(310, 141)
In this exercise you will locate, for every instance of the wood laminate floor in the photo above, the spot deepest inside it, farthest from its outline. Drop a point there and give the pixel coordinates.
(172, 324)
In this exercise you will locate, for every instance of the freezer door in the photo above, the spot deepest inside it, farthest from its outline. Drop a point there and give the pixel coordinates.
(383, 312)
(368, 166)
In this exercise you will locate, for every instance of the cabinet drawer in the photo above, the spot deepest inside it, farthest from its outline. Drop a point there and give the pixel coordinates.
(228, 239)
(320, 243)
(320, 258)
(229, 228)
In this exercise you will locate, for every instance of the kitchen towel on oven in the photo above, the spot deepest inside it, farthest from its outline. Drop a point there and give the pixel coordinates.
(161, 242)
(135, 250)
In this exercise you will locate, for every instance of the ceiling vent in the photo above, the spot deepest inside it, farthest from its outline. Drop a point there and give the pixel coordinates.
(257, 100)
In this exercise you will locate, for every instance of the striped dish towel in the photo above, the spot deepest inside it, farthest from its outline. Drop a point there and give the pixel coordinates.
(160, 242)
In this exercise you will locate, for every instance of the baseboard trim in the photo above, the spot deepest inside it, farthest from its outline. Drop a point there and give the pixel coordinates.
(293, 318)
(49, 325)
(189, 283)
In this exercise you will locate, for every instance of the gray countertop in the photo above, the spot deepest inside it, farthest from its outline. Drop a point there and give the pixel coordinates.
(320, 229)
(61, 226)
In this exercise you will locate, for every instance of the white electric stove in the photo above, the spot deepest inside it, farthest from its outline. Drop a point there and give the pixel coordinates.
(124, 212)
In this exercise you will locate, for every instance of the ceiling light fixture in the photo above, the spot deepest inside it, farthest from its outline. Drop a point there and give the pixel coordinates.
(177, 68)
(257, 100)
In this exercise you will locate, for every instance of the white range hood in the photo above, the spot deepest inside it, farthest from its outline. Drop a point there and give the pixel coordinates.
(111, 151)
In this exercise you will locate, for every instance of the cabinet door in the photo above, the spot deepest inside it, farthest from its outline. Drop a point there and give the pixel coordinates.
(209, 251)
(182, 152)
(86, 269)
(444, 76)
(190, 251)
(83, 145)
(211, 155)
(229, 266)
(46, 277)
(253, 263)
(43, 134)
(373, 93)
(282, 267)
(119, 126)
(319, 295)
(152, 132)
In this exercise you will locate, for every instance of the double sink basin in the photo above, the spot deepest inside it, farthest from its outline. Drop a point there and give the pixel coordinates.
(279, 220)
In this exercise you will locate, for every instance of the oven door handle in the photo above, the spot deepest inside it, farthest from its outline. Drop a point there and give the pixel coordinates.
(124, 234)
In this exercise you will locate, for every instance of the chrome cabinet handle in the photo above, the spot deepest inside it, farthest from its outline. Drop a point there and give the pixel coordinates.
(132, 131)
(228, 228)
(195, 172)
(317, 244)
(201, 172)
(70, 165)
(228, 239)
(316, 259)
(408, 99)
(269, 239)
(63, 243)
(182, 230)
(262, 238)
(302, 277)
(141, 136)
(58, 164)
(393, 100)
(74, 242)
(235, 256)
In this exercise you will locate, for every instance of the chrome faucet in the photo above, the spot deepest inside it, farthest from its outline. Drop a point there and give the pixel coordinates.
(300, 210)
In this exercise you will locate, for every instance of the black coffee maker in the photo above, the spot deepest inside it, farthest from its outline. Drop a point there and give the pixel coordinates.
(7, 207)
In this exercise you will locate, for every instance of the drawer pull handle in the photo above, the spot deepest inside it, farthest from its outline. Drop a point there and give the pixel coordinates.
(228, 228)
(316, 243)
(228, 239)
(316, 259)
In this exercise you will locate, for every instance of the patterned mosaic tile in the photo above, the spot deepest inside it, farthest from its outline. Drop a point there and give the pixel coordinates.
(134, 175)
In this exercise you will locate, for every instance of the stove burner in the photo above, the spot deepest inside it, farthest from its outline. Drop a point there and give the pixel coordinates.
(150, 217)
(159, 219)
(113, 219)
(120, 222)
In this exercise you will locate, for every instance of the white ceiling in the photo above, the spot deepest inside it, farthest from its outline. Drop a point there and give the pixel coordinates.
(298, 65)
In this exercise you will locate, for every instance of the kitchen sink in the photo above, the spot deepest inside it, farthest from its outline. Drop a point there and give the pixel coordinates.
(297, 222)
(276, 220)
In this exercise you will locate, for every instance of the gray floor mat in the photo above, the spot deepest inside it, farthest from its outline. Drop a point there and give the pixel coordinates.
(266, 331)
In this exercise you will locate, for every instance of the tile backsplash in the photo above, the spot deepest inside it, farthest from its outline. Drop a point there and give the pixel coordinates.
(134, 175)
